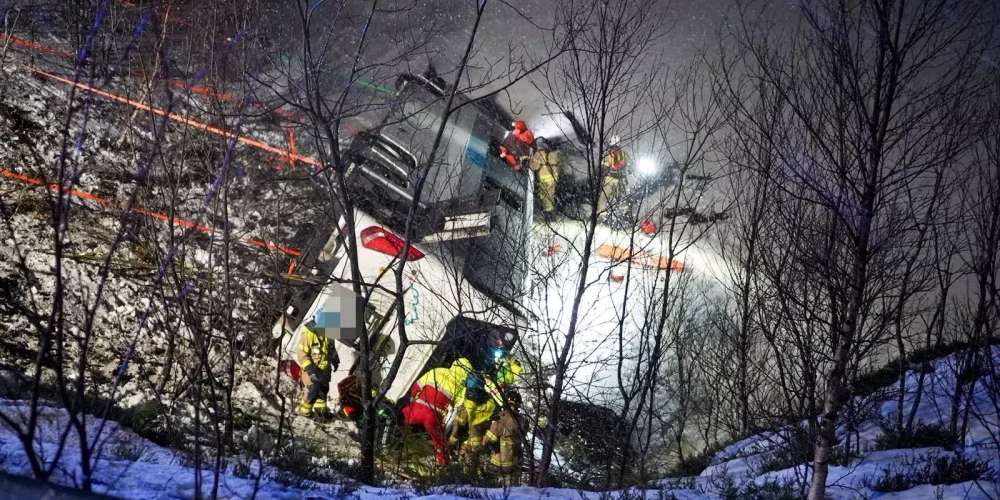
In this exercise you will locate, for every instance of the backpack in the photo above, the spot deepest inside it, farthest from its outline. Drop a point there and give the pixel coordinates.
(475, 388)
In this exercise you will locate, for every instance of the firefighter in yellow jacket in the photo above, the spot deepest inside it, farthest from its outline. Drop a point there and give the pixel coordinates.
(318, 358)
(614, 174)
(545, 164)
(472, 420)
(507, 432)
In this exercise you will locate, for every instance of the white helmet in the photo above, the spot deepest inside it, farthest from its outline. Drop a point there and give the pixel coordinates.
(614, 140)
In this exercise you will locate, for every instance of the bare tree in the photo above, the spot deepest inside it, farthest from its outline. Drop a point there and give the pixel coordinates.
(872, 132)
(601, 82)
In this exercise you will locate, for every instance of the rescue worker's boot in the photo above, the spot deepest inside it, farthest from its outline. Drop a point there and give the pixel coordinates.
(321, 410)
(305, 408)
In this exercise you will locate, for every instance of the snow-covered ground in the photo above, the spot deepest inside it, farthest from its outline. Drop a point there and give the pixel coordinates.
(131, 467)
(741, 460)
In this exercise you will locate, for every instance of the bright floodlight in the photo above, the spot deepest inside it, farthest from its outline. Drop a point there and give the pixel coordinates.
(646, 166)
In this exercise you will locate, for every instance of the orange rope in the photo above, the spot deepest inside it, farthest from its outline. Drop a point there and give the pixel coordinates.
(37, 46)
(198, 89)
(291, 146)
(178, 118)
(157, 215)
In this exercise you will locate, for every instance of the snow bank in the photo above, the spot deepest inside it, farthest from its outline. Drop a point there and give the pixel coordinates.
(741, 460)
(149, 471)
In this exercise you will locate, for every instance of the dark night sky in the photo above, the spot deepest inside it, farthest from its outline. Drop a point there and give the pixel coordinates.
(694, 23)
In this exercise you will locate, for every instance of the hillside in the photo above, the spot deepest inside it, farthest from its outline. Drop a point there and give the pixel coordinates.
(758, 467)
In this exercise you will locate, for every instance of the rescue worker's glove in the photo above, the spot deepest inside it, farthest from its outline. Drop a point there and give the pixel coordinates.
(313, 372)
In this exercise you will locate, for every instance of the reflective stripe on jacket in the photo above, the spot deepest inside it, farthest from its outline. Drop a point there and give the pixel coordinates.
(309, 342)
(444, 385)
(506, 430)
(615, 161)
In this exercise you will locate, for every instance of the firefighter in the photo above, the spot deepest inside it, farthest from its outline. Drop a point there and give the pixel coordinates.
(519, 144)
(545, 164)
(523, 134)
(505, 436)
(614, 174)
(431, 398)
(471, 423)
(318, 359)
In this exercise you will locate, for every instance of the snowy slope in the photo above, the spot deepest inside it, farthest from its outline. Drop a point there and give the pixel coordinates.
(162, 473)
(741, 460)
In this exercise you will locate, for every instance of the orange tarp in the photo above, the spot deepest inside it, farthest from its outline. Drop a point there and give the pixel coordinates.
(640, 258)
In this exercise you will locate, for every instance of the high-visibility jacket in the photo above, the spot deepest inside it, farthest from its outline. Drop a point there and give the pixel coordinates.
(472, 418)
(315, 349)
(442, 387)
(615, 162)
(508, 371)
(482, 413)
(526, 136)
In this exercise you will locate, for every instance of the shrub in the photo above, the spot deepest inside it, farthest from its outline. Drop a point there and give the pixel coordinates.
(949, 469)
(681, 483)
(797, 450)
(127, 450)
(242, 421)
(693, 465)
(241, 469)
(292, 480)
(959, 469)
(919, 436)
(770, 490)
(148, 419)
(296, 467)
(347, 490)
(634, 494)
(873, 380)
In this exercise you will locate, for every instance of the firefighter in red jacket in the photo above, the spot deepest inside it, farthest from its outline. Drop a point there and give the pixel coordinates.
(523, 134)
(431, 398)
(517, 147)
